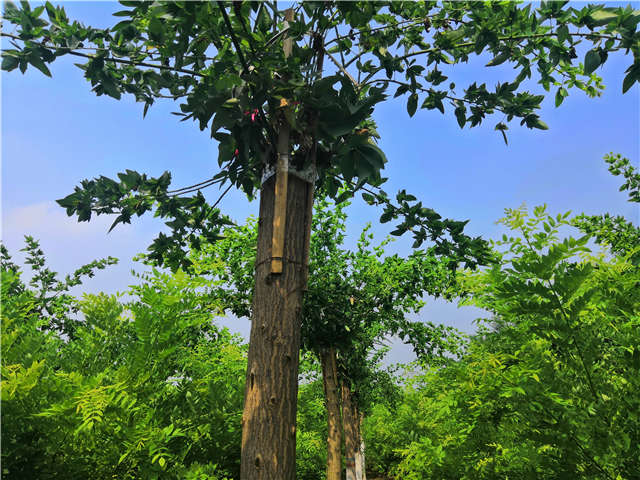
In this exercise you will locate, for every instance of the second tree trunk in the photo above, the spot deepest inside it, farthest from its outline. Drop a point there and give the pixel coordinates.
(332, 398)
(350, 424)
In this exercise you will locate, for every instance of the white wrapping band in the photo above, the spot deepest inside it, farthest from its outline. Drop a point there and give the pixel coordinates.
(308, 174)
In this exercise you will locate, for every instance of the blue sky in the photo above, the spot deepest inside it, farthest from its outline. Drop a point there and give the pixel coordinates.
(55, 132)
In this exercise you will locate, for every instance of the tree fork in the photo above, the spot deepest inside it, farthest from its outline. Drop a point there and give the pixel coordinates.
(332, 398)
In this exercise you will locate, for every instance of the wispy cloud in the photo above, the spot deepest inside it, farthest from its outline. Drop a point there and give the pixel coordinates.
(68, 244)
(47, 219)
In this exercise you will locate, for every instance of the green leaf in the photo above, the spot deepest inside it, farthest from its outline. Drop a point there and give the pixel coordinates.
(51, 10)
(540, 125)
(386, 216)
(560, 95)
(228, 81)
(461, 115)
(110, 88)
(453, 36)
(591, 61)
(344, 196)
(628, 81)
(347, 167)
(364, 168)
(499, 59)
(10, 10)
(37, 62)
(446, 59)
(156, 29)
(603, 17)
(402, 89)
(374, 155)
(502, 127)
(9, 62)
(124, 13)
(367, 197)
(130, 178)
(412, 104)
(563, 33)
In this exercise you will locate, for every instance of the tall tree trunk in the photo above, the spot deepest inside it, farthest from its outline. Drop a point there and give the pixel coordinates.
(349, 422)
(332, 397)
(269, 416)
(360, 467)
(363, 466)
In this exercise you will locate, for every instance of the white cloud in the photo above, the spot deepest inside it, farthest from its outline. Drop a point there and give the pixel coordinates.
(68, 244)
(50, 220)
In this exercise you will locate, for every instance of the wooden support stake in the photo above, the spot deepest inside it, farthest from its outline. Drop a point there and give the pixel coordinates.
(280, 211)
(282, 176)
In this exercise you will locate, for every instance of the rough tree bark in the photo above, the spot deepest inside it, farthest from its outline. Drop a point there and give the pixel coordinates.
(332, 397)
(360, 467)
(269, 417)
(350, 426)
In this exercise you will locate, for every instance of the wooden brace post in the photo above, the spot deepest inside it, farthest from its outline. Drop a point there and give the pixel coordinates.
(282, 174)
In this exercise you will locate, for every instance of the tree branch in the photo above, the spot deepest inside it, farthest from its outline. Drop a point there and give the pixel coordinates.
(503, 39)
(429, 91)
(360, 32)
(341, 68)
(109, 59)
(381, 201)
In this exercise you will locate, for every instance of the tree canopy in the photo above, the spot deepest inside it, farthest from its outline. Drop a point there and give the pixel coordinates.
(225, 67)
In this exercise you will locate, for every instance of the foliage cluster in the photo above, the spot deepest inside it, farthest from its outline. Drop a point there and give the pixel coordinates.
(225, 66)
(547, 388)
(148, 388)
(620, 235)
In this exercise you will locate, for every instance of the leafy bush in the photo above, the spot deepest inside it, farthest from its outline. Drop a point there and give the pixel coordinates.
(146, 389)
(548, 387)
